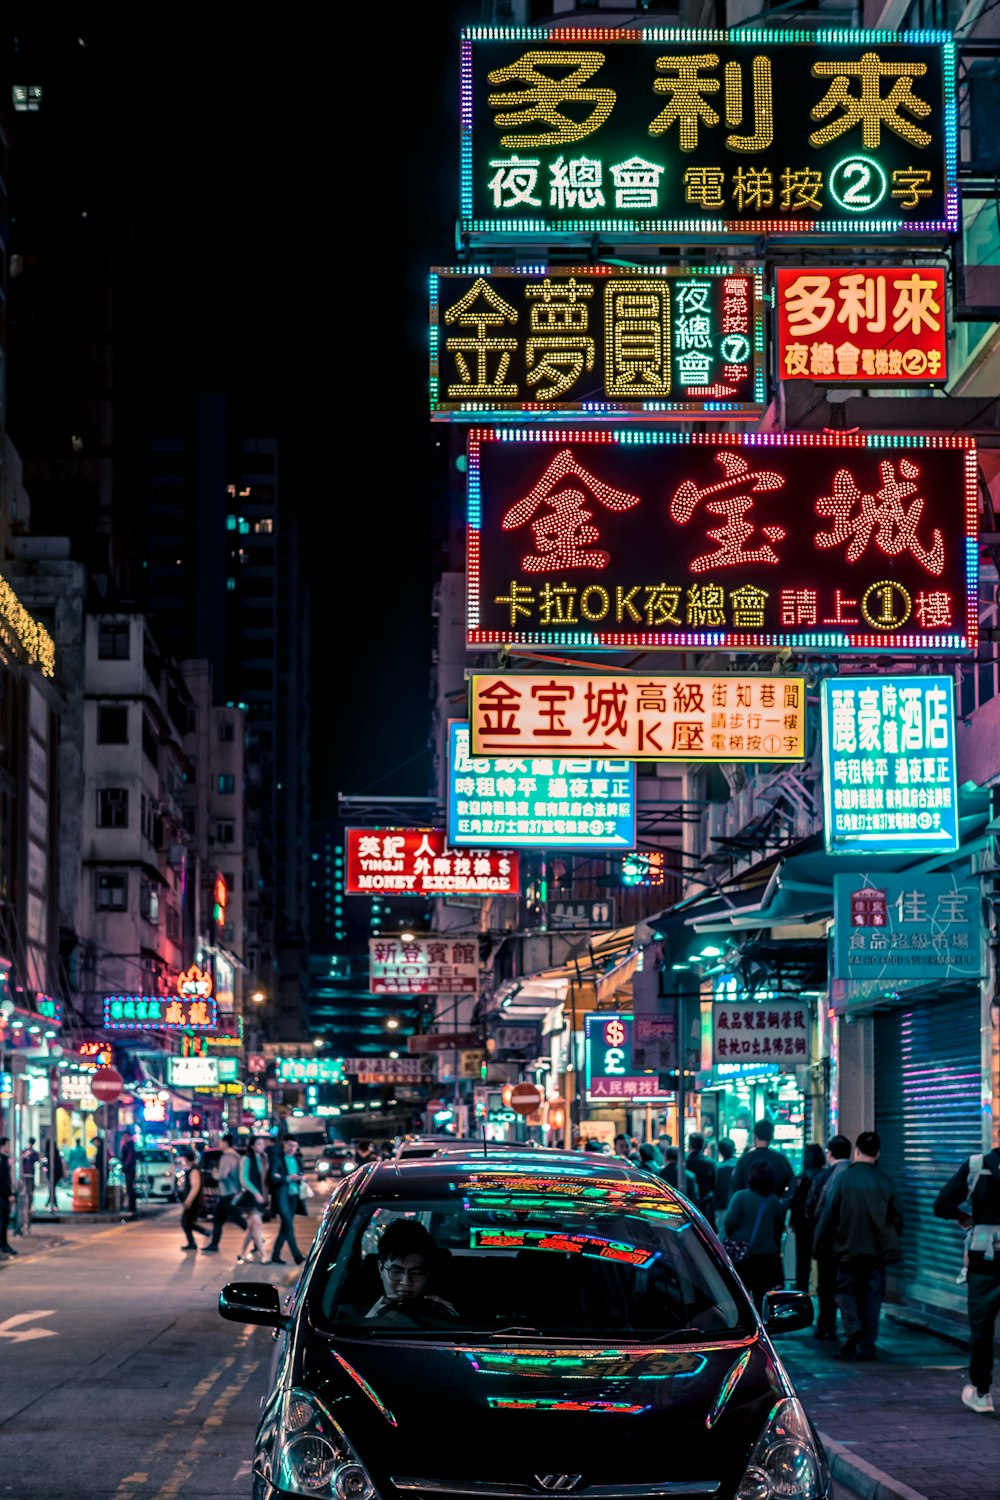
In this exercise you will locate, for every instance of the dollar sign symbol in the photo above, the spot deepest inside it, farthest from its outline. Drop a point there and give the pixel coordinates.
(615, 1033)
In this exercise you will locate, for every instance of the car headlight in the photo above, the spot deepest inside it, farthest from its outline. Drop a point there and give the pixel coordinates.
(786, 1464)
(312, 1455)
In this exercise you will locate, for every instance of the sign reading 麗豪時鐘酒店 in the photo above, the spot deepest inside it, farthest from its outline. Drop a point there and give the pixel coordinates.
(722, 541)
(701, 134)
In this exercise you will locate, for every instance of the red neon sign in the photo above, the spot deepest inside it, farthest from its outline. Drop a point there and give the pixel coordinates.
(417, 862)
(862, 327)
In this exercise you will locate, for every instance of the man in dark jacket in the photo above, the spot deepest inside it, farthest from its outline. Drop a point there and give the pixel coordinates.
(860, 1225)
(979, 1215)
(129, 1161)
(704, 1170)
(724, 1174)
(784, 1177)
(689, 1186)
(838, 1159)
(6, 1195)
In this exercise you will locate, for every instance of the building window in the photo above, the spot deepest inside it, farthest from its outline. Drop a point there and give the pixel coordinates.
(225, 832)
(114, 640)
(112, 807)
(227, 731)
(264, 526)
(150, 741)
(112, 724)
(112, 893)
(227, 783)
(173, 924)
(149, 901)
(26, 98)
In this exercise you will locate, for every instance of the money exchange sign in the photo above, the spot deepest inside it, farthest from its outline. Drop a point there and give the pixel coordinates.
(658, 132)
(656, 716)
(826, 541)
(611, 1071)
(417, 862)
(870, 327)
(889, 777)
(602, 340)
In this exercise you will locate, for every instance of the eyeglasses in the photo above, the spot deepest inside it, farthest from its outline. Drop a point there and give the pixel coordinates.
(396, 1273)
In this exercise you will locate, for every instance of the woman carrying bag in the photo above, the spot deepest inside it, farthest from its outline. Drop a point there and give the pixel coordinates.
(253, 1198)
(756, 1217)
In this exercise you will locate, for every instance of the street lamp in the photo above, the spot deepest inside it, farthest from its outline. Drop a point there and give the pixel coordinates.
(391, 1023)
(258, 997)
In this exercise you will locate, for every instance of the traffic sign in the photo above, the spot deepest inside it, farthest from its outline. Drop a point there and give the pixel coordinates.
(526, 1098)
(107, 1084)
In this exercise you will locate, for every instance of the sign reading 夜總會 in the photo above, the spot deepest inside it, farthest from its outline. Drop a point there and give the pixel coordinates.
(612, 1071)
(417, 862)
(557, 803)
(767, 1031)
(653, 716)
(873, 326)
(893, 931)
(654, 132)
(889, 778)
(422, 966)
(597, 340)
(826, 541)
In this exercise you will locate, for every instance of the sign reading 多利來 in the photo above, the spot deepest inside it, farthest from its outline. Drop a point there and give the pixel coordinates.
(721, 541)
(875, 326)
(654, 132)
(656, 341)
(893, 931)
(889, 775)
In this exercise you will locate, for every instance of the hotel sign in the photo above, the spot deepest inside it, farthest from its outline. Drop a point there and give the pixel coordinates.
(653, 133)
(653, 716)
(721, 541)
(417, 862)
(601, 341)
(862, 327)
(423, 966)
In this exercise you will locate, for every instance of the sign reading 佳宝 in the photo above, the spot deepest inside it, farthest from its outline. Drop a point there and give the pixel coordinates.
(417, 862)
(612, 1070)
(867, 327)
(768, 1031)
(894, 931)
(825, 541)
(423, 966)
(656, 716)
(656, 132)
(601, 340)
(564, 803)
(889, 777)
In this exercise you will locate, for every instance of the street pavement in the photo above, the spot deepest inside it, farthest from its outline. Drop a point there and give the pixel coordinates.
(895, 1428)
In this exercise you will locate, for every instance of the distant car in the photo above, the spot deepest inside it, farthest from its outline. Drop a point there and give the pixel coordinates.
(422, 1147)
(335, 1162)
(559, 1288)
(154, 1174)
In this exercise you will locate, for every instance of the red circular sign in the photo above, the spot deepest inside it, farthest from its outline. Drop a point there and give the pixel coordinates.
(525, 1098)
(107, 1084)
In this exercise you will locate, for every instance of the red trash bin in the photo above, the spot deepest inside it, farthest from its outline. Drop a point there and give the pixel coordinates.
(85, 1190)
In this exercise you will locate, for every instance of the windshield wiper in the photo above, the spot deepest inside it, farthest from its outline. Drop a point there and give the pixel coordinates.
(518, 1329)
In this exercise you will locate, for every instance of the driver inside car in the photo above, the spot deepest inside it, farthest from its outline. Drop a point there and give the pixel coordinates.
(406, 1259)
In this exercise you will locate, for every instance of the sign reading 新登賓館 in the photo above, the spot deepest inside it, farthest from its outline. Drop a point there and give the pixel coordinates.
(892, 932)
(692, 133)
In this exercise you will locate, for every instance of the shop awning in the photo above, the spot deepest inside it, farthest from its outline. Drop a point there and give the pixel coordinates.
(593, 970)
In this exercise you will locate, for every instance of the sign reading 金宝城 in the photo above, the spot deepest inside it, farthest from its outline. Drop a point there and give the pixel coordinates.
(613, 1071)
(660, 341)
(766, 1031)
(423, 966)
(564, 803)
(893, 931)
(656, 716)
(873, 326)
(889, 776)
(417, 862)
(309, 1070)
(721, 541)
(158, 1013)
(656, 132)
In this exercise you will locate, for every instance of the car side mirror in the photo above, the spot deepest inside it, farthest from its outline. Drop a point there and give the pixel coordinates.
(784, 1312)
(252, 1302)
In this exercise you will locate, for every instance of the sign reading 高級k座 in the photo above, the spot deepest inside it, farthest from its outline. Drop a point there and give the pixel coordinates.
(873, 326)
(653, 132)
(826, 541)
(417, 862)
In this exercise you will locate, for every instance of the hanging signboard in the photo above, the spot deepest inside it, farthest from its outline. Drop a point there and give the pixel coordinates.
(769, 1031)
(894, 931)
(193, 1072)
(601, 341)
(889, 776)
(423, 966)
(308, 1070)
(565, 803)
(158, 1013)
(417, 862)
(872, 327)
(444, 1041)
(841, 541)
(387, 1069)
(654, 133)
(611, 1070)
(654, 716)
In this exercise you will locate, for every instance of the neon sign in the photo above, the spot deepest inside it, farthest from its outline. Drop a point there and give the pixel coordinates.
(158, 1013)
(690, 133)
(661, 540)
(598, 340)
(867, 327)
(417, 862)
(611, 1067)
(195, 984)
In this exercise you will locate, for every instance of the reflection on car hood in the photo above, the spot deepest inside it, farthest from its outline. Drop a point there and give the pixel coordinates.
(691, 1412)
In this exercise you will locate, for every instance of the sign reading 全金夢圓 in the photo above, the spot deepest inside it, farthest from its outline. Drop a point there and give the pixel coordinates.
(656, 540)
(875, 326)
(889, 775)
(655, 716)
(600, 340)
(658, 132)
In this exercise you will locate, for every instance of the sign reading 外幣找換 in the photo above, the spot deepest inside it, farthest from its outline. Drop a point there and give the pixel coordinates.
(654, 132)
(889, 777)
(893, 931)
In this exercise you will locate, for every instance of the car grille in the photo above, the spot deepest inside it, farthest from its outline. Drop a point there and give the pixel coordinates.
(483, 1489)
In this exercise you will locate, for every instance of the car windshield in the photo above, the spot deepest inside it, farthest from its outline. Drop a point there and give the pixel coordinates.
(513, 1253)
(155, 1154)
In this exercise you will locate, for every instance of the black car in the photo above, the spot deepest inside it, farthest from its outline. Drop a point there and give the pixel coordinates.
(335, 1161)
(559, 1288)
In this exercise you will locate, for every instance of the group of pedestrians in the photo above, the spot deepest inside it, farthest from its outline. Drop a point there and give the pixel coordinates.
(266, 1180)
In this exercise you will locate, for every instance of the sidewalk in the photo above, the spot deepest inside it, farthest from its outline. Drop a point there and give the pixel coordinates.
(896, 1429)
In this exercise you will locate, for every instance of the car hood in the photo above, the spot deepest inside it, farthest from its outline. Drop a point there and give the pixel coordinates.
(613, 1415)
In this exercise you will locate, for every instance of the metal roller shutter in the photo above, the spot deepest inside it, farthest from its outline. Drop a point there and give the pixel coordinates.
(927, 1084)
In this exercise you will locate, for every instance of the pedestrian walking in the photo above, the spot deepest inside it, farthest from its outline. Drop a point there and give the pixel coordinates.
(724, 1169)
(56, 1171)
(364, 1152)
(650, 1158)
(6, 1195)
(227, 1172)
(672, 1173)
(755, 1216)
(704, 1170)
(972, 1198)
(627, 1149)
(861, 1224)
(29, 1163)
(284, 1179)
(99, 1167)
(762, 1150)
(253, 1198)
(193, 1200)
(838, 1158)
(801, 1225)
(128, 1157)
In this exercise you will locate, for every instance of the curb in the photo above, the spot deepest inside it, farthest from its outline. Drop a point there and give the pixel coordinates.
(862, 1477)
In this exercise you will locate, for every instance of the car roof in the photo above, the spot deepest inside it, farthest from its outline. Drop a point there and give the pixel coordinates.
(430, 1174)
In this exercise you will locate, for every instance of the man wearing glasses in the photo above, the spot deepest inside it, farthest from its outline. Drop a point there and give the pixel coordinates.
(406, 1259)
